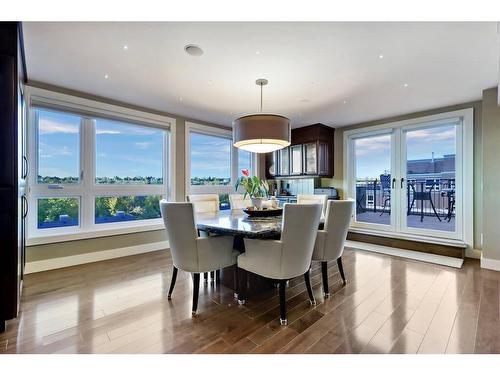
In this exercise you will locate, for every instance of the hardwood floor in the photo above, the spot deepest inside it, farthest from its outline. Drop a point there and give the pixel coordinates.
(389, 305)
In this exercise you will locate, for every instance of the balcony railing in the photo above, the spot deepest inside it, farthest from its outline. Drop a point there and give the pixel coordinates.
(424, 197)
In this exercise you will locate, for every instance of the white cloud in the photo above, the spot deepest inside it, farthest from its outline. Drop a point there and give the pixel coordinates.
(371, 145)
(47, 126)
(107, 131)
(432, 134)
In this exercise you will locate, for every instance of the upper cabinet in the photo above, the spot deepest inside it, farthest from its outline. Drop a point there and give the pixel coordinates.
(310, 154)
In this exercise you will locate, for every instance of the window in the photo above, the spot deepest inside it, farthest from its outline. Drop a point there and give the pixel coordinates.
(244, 161)
(58, 212)
(113, 209)
(210, 159)
(93, 173)
(58, 137)
(213, 163)
(128, 154)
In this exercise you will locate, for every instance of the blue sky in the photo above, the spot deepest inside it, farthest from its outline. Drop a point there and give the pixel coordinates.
(121, 150)
(125, 150)
(59, 145)
(128, 150)
(211, 156)
(373, 154)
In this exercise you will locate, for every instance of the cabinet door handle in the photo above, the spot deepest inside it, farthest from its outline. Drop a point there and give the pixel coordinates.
(402, 180)
(393, 182)
(25, 171)
(25, 203)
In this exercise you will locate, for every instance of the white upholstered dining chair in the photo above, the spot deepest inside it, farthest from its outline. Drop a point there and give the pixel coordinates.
(191, 253)
(285, 259)
(330, 241)
(311, 199)
(204, 203)
(237, 201)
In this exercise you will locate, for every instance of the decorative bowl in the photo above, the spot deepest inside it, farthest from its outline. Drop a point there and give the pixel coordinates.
(264, 212)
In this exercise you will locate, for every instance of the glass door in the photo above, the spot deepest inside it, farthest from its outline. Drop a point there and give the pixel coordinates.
(431, 179)
(373, 180)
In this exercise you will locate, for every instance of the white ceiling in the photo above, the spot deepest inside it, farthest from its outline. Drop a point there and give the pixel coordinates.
(317, 72)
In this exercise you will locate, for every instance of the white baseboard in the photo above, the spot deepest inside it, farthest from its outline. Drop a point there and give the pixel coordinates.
(73, 260)
(409, 254)
(490, 264)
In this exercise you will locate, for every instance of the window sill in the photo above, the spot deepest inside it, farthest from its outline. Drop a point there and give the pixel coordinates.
(94, 233)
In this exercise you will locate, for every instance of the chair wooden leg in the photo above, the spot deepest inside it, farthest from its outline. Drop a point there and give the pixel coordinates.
(324, 274)
(196, 291)
(341, 270)
(212, 276)
(172, 282)
(242, 290)
(283, 320)
(307, 279)
(205, 277)
(217, 276)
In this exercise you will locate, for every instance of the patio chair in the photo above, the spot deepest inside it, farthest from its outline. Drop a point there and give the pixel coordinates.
(385, 182)
(423, 195)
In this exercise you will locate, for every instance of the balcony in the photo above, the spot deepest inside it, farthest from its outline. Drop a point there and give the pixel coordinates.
(430, 204)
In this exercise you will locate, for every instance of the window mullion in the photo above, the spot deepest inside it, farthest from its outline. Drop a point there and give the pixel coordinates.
(87, 169)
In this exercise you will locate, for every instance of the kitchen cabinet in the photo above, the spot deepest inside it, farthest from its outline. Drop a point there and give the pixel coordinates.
(284, 162)
(271, 164)
(296, 160)
(310, 154)
(310, 159)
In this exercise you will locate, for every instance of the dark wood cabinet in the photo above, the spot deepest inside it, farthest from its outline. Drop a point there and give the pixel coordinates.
(271, 164)
(310, 154)
(12, 170)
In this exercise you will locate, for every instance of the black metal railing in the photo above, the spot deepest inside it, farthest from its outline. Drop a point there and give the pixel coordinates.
(424, 197)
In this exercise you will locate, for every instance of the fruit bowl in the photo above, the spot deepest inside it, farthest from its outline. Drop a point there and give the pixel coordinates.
(266, 212)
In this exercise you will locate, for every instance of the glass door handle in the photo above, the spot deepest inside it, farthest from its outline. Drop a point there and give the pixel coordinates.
(402, 180)
(393, 182)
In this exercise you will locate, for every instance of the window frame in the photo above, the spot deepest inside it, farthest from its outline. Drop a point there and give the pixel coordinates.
(192, 127)
(87, 189)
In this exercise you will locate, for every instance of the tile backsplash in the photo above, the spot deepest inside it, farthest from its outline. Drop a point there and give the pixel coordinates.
(299, 186)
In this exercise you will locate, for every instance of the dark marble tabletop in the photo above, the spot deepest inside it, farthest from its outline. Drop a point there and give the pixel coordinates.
(236, 222)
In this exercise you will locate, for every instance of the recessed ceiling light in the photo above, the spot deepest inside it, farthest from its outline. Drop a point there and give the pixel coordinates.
(181, 98)
(106, 76)
(345, 102)
(193, 50)
(257, 52)
(380, 56)
(125, 47)
(405, 85)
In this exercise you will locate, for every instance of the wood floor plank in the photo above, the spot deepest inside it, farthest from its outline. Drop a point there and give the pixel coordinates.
(389, 305)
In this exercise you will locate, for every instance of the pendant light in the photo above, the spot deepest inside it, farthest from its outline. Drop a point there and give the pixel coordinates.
(262, 132)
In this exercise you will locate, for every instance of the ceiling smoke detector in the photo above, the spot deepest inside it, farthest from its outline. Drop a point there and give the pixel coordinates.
(193, 50)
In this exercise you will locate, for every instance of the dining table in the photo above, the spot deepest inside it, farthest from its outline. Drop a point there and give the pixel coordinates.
(238, 224)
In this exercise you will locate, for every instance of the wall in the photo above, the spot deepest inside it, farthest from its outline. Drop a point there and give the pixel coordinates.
(70, 248)
(337, 180)
(491, 179)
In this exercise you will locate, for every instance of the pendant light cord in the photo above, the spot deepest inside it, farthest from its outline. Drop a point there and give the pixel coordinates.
(261, 97)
